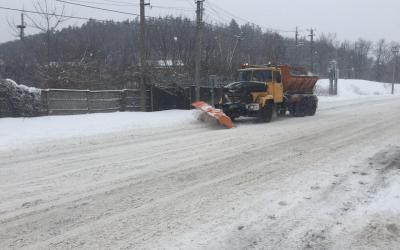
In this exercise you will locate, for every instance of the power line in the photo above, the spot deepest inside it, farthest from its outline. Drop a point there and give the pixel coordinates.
(217, 15)
(227, 12)
(98, 8)
(104, 9)
(124, 4)
(231, 15)
(50, 14)
(115, 3)
(172, 8)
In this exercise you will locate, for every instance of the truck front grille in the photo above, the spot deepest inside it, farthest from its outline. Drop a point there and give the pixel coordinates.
(233, 98)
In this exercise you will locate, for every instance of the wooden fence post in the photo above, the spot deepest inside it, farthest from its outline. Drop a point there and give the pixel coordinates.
(88, 100)
(44, 102)
(122, 103)
(192, 95)
(152, 97)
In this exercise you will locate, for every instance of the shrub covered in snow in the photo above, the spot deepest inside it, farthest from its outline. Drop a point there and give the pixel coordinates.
(18, 100)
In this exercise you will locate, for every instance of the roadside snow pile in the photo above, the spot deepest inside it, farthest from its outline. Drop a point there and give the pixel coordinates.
(17, 131)
(18, 100)
(350, 88)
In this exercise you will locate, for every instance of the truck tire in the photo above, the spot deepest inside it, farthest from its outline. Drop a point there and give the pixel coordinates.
(312, 108)
(265, 113)
(299, 109)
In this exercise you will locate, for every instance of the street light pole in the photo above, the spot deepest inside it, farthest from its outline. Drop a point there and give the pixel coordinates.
(395, 51)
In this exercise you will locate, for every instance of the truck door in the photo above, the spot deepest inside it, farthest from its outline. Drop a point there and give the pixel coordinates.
(278, 87)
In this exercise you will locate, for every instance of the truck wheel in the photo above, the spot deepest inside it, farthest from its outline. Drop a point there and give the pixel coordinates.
(299, 109)
(265, 113)
(312, 108)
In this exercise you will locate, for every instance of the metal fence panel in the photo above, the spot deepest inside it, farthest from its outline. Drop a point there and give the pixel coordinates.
(66, 102)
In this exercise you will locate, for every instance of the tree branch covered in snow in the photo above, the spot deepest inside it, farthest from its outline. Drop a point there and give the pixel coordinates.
(18, 100)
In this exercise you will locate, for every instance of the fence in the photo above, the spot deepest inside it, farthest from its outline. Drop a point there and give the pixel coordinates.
(68, 102)
(182, 97)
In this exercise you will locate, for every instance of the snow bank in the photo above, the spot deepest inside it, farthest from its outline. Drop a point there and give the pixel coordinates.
(23, 87)
(352, 89)
(18, 100)
(18, 131)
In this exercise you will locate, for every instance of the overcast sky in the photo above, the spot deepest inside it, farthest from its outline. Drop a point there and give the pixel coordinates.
(348, 19)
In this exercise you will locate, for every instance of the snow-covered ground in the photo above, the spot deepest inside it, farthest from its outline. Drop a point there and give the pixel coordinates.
(19, 131)
(165, 181)
(351, 89)
(15, 132)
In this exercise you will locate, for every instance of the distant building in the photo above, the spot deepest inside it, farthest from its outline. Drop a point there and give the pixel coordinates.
(166, 63)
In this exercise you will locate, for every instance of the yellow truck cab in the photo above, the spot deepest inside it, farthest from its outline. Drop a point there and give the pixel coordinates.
(264, 89)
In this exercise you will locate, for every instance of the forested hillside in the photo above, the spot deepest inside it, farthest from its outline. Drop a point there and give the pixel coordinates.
(105, 55)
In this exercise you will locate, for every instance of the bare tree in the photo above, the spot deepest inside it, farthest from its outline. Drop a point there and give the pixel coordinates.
(13, 27)
(361, 60)
(382, 55)
(50, 18)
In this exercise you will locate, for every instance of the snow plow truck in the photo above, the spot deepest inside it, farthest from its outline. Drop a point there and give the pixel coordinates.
(263, 90)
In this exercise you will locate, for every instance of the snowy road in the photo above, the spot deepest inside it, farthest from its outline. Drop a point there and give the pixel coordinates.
(324, 182)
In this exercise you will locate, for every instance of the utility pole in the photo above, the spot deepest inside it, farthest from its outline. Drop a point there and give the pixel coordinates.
(239, 38)
(199, 34)
(143, 54)
(312, 34)
(395, 51)
(296, 48)
(22, 27)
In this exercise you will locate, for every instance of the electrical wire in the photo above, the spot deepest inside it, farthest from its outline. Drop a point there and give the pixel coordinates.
(50, 14)
(105, 9)
(217, 15)
(98, 8)
(125, 4)
(218, 10)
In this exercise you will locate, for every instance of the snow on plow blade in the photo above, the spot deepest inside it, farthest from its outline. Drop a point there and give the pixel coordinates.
(216, 114)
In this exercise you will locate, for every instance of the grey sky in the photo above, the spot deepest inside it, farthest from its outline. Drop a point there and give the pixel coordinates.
(349, 19)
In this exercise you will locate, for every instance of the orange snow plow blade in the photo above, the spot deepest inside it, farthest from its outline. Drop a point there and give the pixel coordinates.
(217, 114)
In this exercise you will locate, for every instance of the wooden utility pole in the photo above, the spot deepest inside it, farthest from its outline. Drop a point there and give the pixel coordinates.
(143, 54)
(312, 49)
(395, 51)
(22, 27)
(239, 38)
(199, 35)
(296, 46)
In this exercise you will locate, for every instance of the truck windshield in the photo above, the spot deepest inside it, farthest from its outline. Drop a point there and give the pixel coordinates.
(244, 76)
(262, 75)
